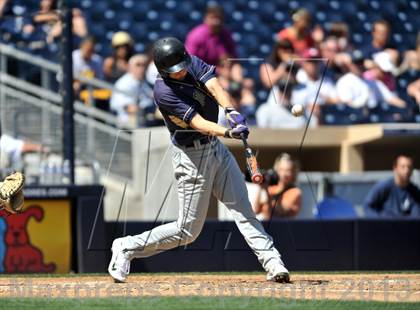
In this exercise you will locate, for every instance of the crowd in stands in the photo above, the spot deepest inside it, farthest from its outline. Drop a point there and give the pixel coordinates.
(336, 80)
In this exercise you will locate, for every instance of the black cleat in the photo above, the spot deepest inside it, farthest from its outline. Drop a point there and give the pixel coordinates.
(282, 278)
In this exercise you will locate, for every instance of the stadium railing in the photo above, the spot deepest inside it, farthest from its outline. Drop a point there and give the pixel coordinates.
(34, 112)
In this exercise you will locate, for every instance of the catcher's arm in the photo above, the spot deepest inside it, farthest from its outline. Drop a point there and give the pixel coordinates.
(11, 193)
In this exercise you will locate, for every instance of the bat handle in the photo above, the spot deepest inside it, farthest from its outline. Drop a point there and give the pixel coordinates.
(244, 140)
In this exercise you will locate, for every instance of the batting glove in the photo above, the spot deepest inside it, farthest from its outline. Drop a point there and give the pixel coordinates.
(237, 132)
(234, 117)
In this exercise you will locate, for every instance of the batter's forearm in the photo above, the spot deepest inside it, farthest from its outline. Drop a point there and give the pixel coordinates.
(222, 97)
(206, 127)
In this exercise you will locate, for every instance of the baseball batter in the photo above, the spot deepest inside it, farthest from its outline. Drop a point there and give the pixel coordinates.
(187, 94)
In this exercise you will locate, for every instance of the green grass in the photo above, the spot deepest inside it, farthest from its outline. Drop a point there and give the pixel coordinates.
(184, 303)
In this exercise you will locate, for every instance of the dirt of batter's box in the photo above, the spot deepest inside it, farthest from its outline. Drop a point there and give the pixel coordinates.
(397, 287)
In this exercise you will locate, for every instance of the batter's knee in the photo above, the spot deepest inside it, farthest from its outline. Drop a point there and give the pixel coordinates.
(189, 232)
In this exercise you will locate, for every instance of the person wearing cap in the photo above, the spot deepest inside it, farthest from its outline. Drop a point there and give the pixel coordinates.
(357, 92)
(188, 95)
(299, 34)
(382, 70)
(116, 65)
(211, 41)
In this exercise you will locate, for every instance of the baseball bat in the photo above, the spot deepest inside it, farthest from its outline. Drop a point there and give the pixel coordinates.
(251, 163)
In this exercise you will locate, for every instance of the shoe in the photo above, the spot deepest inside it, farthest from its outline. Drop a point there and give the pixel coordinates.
(119, 266)
(279, 274)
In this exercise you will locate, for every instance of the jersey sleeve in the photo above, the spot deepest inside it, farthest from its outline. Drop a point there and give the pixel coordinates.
(168, 103)
(202, 71)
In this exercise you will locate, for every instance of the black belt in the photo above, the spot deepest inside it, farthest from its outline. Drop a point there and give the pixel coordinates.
(202, 141)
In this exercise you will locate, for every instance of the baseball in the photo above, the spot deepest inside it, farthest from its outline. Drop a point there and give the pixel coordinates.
(297, 110)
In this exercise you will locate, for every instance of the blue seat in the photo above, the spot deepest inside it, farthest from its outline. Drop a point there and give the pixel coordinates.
(98, 31)
(402, 4)
(334, 208)
(97, 10)
(348, 8)
(140, 10)
(240, 5)
(139, 29)
(158, 5)
(340, 114)
(385, 113)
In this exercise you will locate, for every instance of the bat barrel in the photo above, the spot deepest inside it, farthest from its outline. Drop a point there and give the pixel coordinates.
(257, 178)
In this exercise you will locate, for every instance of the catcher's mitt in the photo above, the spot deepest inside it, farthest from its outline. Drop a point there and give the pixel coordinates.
(11, 194)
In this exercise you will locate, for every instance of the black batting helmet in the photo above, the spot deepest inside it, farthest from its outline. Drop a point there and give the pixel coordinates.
(170, 56)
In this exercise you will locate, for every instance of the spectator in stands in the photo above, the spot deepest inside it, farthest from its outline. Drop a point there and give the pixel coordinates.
(12, 22)
(211, 41)
(413, 90)
(151, 71)
(47, 19)
(340, 32)
(11, 151)
(380, 42)
(284, 198)
(383, 70)
(132, 94)
(299, 34)
(240, 89)
(116, 65)
(357, 92)
(312, 86)
(411, 59)
(86, 63)
(411, 65)
(330, 50)
(47, 22)
(396, 196)
(275, 113)
(278, 64)
(3, 6)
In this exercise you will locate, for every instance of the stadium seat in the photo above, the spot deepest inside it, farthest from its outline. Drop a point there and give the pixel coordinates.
(139, 31)
(341, 114)
(385, 113)
(334, 208)
(140, 10)
(97, 11)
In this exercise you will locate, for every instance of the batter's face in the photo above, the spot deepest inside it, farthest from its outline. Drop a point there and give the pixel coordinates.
(180, 75)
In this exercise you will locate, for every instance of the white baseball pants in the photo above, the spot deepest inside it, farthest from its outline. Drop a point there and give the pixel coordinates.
(201, 171)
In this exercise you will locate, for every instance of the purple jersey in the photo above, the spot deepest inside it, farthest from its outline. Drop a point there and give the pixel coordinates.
(179, 101)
